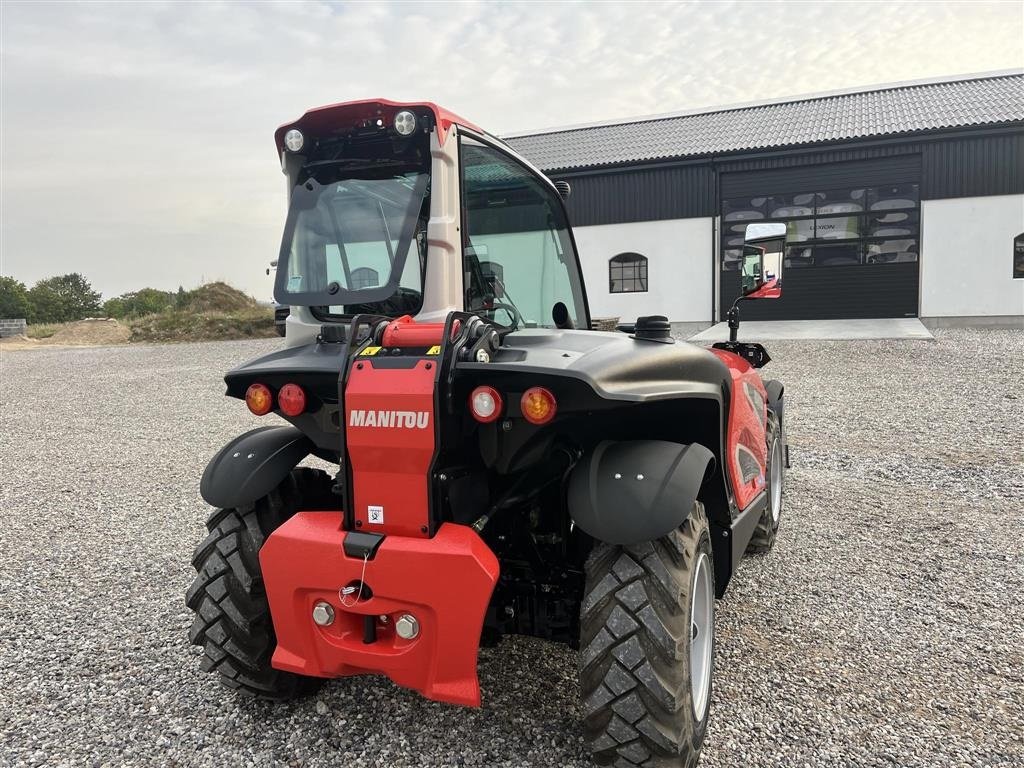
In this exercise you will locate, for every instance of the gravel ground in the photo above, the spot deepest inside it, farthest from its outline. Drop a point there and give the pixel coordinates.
(887, 627)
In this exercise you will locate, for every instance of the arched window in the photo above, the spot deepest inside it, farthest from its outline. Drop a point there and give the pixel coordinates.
(627, 273)
(364, 277)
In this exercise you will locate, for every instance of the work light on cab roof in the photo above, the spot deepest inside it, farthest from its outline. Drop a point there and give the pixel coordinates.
(405, 122)
(294, 140)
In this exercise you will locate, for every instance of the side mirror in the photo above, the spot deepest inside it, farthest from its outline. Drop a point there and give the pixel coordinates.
(491, 273)
(564, 190)
(764, 245)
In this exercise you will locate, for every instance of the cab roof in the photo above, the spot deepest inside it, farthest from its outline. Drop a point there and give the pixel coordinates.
(328, 119)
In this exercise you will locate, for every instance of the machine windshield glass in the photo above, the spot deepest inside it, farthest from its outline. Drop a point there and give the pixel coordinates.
(355, 240)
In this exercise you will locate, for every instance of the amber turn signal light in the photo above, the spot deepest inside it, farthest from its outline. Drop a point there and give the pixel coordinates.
(538, 405)
(291, 399)
(258, 399)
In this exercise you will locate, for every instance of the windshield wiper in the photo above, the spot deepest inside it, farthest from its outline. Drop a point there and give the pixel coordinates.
(355, 162)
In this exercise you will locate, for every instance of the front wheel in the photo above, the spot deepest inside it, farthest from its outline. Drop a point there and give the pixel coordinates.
(647, 648)
(763, 538)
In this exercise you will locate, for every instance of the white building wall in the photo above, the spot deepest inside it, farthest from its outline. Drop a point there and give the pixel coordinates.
(679, 268)
(967, 256)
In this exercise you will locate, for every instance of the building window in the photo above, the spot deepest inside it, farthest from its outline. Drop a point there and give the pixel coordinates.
(627, 273)
(364, 277)
(831, 228)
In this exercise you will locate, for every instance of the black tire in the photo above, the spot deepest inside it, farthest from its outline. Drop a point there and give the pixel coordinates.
(635, 649)
(228, 597)
(763, 538)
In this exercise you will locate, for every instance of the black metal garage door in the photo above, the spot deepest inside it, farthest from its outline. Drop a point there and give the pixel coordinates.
(853, 237)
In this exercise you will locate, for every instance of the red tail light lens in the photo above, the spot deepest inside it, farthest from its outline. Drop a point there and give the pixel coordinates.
(291, 399)
(485, 403)
(538, 405)
(259, 399)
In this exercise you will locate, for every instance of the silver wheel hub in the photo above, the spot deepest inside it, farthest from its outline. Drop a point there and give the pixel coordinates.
(702, 621)
(776, 481)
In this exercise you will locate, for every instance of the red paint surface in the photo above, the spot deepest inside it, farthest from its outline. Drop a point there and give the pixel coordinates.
(406, 332)
(323, 121)
(445, 582)
(391, 460)
(770, 290)
(746, 426)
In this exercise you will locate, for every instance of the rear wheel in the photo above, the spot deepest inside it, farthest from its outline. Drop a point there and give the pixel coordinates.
(232, 621)
(763, 538)
(647, 648)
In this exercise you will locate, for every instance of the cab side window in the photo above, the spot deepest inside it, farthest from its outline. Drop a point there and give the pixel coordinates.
(518, 258)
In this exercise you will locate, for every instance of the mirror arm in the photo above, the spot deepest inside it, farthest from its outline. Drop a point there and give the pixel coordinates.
(733, 318)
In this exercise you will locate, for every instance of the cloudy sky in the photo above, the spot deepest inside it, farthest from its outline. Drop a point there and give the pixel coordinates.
(137, 137)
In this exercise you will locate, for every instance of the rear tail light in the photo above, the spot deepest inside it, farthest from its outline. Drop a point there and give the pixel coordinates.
(538, 405)
(291, 399)
(485, 403)
(259, 399)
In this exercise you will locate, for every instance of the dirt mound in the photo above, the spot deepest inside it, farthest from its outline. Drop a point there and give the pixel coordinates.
(9, 343)
(90, 332)
(81, 333)
(217, 297)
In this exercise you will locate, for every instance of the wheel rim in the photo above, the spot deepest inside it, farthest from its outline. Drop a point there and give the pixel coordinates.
(701, 634)
(776, 480)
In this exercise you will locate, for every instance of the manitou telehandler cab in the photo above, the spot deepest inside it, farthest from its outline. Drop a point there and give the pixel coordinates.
(500, 467)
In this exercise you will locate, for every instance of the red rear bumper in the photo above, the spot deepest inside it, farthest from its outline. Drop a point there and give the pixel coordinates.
(445, 582)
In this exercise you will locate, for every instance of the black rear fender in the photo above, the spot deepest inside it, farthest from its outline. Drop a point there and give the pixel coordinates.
(252, 465)
(631, 491)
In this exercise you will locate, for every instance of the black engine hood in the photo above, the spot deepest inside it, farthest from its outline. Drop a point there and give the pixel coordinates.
(614, 365)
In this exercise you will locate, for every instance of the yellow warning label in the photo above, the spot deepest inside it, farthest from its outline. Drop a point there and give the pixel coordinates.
(369, 351)
(435, 350)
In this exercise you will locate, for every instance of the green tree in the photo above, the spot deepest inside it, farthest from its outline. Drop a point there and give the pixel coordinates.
(115, 308)
(13, 298)
(148, 301)
(62, 299)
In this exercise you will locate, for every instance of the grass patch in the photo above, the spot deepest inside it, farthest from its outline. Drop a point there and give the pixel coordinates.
(42, 330)
(254, 322)
(211, 312)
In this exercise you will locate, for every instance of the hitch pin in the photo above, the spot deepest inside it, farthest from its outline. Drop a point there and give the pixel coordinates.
(354, 589)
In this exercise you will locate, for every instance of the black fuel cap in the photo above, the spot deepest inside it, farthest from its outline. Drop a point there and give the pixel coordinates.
(653, 328)
(332, 333)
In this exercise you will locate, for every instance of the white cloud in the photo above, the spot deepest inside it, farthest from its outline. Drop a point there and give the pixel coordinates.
(137, 141)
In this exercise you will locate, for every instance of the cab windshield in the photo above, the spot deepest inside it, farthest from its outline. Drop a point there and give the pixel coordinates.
(355, 239)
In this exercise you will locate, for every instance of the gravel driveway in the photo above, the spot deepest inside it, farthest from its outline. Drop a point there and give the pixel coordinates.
(887, 628)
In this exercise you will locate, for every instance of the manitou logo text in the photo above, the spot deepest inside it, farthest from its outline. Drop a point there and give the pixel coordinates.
(391, 419)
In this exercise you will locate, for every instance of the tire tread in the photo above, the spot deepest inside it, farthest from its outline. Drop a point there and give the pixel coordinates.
(232, 622)
(634, 635)
(763, 538)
